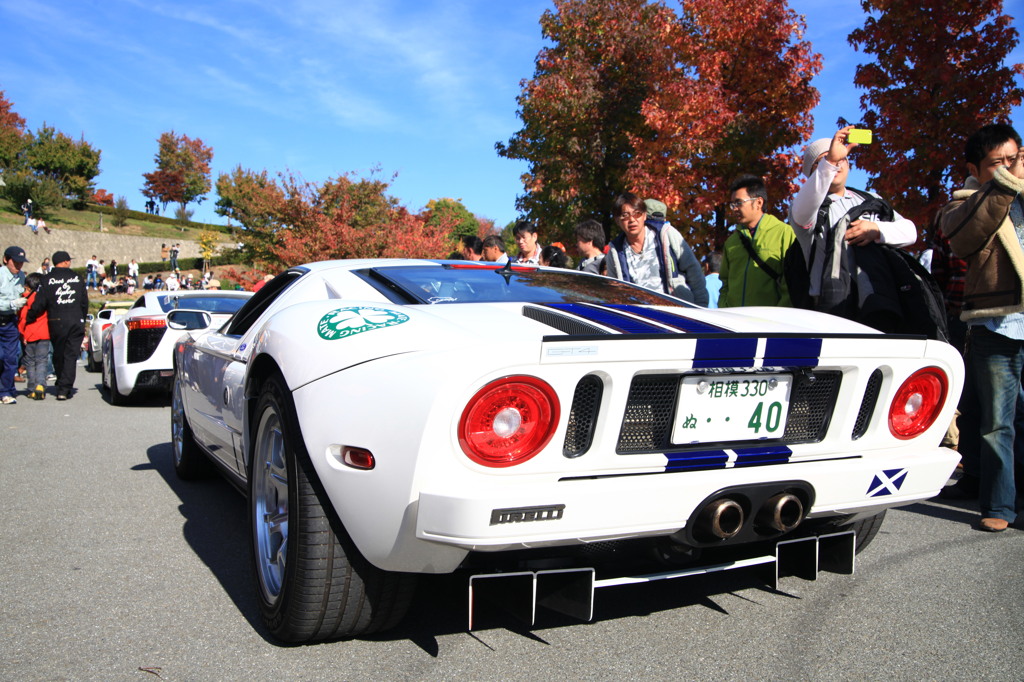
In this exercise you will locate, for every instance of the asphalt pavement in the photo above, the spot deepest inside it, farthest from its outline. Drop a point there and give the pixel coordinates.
(115, 570)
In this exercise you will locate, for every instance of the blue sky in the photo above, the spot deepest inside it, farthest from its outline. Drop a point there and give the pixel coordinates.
(419, 89)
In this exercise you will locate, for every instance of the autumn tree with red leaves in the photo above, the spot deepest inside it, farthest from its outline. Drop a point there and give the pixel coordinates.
(182, 174)
(939, 75)
(103, 198)
(12, 132)
(292, 221)
(744, 107)
(633, 96)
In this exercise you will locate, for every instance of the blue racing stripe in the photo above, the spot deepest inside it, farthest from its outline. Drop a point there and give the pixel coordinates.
(792, 352)
(696, 461)
(618, 322)
(684, 324)
(752, 457)
(725, 352)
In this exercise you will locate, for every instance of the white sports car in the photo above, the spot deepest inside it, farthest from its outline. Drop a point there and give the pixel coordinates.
(98, 326)
(137, 349)
(544, 430)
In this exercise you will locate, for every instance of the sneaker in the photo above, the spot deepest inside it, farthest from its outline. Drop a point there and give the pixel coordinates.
(61, 396)
(39, 393)
(51, 377)
(8, 400)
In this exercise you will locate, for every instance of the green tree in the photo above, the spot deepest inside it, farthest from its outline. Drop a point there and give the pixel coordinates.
(252, 200)
(452, 212)
(939, 74)
(73, 164)
(119, 217)
(290, 221)
(12, 132)
(46, 194)
(182, 174)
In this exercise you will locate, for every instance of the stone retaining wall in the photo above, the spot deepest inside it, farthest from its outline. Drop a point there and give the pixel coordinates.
(81, 245)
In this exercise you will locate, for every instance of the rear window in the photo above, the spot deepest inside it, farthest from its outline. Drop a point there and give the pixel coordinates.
(455, 283)
(211, 304)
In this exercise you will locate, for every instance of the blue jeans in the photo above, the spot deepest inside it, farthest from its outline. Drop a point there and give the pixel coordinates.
(998, 364)
(37, 356)
(90, 279)
(10, 355)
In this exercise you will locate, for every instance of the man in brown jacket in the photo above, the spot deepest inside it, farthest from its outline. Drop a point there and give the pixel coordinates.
(985, 227)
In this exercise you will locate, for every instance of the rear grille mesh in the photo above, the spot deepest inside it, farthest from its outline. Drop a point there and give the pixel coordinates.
(586, 403)
(867, 406)
(648, 419)
(142, 343)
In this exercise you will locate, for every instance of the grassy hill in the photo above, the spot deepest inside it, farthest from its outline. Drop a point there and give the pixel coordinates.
(138, 224)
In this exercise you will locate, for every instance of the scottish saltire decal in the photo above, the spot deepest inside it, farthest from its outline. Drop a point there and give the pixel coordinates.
(345, 322)
(623, 324)
(887, 483)
(801, 352)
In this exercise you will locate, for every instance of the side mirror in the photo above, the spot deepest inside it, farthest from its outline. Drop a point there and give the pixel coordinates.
(188, 320)
(89, 317)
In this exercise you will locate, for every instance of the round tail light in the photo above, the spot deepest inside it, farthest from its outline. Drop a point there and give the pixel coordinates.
(508, 421)
(918, 402)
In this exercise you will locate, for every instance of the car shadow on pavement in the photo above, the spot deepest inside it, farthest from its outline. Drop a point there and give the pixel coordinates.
(440, 606)
(214, 525)
(214, 522)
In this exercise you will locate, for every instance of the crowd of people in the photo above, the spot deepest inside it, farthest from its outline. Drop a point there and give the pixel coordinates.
(839, 252)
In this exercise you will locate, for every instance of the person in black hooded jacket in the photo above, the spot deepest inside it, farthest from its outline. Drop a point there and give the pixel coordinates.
(65, 300)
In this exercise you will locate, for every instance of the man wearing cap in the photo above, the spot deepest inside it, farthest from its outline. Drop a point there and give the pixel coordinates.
(12, 286)
(826, 218)
(64, 298)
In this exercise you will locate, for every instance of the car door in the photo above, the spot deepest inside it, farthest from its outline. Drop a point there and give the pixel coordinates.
(215, 403)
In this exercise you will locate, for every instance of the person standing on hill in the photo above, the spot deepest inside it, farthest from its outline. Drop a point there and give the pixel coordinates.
(63, 297)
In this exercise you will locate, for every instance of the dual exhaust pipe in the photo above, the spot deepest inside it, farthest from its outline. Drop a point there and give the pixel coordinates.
(723, 518)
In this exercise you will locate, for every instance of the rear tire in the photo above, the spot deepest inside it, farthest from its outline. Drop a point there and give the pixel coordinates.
(866, 529)
(110, 377)
(190, 463)
(312, 582)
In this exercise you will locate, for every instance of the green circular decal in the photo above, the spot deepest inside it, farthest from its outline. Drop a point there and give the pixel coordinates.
(344, 322)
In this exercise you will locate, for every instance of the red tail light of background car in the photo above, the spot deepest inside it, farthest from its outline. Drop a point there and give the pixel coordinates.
(146, 323)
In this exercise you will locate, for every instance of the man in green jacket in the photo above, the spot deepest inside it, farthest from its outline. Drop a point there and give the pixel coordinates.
(753, 254)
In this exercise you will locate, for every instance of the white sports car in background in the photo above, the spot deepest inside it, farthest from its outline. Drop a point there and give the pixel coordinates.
(99, 324)
(546, 427)
(137, 349)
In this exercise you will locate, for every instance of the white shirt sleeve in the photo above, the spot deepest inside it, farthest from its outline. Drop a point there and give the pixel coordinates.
(804, 210)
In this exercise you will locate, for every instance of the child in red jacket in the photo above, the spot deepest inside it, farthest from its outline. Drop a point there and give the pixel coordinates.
(36, 337)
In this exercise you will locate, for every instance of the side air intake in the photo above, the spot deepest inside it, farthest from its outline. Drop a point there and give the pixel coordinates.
(586, 403)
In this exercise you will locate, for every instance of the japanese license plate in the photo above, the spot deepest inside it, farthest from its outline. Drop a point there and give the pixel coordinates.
(731, 407)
